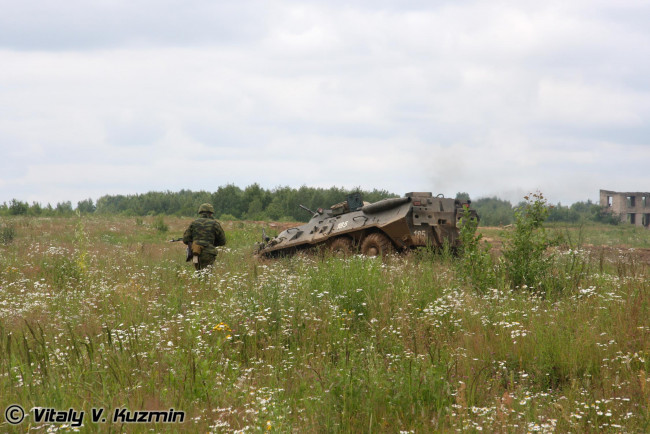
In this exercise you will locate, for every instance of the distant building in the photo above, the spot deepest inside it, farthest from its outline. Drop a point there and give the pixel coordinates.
(633, 208)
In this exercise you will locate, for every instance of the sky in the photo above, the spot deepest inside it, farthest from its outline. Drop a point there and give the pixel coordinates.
(493, 98)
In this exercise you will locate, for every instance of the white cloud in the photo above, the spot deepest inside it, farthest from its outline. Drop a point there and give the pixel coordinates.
(489, 98)
(578, 103)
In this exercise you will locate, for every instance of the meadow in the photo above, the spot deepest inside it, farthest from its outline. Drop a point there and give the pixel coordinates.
(103, 312)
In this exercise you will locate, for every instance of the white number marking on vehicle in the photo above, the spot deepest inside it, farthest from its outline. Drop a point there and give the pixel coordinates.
(422, 234)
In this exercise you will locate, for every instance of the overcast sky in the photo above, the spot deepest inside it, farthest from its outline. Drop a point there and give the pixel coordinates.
(486, 97)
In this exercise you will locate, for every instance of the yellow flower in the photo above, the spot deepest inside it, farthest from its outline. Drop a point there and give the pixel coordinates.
(222, 327)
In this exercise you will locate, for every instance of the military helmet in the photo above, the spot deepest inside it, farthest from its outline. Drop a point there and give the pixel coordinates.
(206, 207)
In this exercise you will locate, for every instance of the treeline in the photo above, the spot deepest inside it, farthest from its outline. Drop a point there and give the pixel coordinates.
(256, 203)
(230, 203)
(498, 212)
(16, 207)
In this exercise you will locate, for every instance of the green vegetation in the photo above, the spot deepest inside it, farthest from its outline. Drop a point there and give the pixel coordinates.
(493, 211)
(231, 202)
(101, 311)
(524, 255)
(160, 225)
(526, 261)
(280, 204)
(476, 266)
(498, 212)
(7, 233)
(251, 203)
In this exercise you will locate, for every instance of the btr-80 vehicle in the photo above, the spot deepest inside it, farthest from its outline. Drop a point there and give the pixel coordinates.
(375, 229)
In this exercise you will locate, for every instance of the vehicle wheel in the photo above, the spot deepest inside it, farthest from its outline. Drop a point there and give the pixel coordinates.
(376, 245)
(341, 246)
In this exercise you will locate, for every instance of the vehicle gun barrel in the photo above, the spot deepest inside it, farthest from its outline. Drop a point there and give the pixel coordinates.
(313, 213)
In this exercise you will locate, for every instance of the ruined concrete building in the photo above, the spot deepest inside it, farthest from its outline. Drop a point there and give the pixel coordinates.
(633, 208)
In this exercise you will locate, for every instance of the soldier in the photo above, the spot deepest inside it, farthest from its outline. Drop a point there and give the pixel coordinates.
(203, 235)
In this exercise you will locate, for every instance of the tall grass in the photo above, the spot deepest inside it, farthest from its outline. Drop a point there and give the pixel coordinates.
(7, 234)
(104, 312)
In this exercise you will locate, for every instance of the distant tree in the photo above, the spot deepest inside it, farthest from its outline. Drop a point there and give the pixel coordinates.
(254, 202)
(275, 210)
(255, 210)
(559, 213)
(86, 206)
(602, 215)
(255, 199)
(17, 207)
(229, 199)
(584, 208)
(64, 208)
(493, 211)
(35, 209)
(110, 204)
(462, 196)
(581, 211)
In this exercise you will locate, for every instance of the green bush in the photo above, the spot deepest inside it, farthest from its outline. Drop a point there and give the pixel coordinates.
(475, 266)
(159, 223)
(526, 261)
(227, 217)
(7, 234)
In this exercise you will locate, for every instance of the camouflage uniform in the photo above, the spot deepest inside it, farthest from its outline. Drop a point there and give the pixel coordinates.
(207, 233)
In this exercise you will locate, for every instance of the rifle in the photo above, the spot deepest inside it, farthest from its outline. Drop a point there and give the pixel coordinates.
(188, 253)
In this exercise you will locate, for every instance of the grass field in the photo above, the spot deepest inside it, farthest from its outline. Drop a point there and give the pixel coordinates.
(100, 312)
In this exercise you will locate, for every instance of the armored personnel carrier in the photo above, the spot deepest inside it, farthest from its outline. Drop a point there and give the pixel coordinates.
(374, 229)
